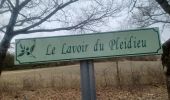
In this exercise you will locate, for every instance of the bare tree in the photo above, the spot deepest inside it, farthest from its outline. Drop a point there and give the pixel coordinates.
(32, 16)
(149, 12)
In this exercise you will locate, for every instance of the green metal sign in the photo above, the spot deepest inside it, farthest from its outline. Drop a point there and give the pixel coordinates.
(88, 46)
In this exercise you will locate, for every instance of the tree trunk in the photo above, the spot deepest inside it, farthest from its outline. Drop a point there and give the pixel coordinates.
(168, 80)
(166, 62)
(4, 45)
(168, 86)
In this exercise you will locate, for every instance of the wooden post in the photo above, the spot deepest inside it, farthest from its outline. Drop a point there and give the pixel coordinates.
(88, 89)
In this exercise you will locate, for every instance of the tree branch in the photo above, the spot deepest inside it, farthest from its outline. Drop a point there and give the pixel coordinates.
(17, 3)
(133, 6)
(26, 20)
(2, 12)
(10, 3)
(1, 28)
(2, 3)
(77, 26)
(14, 16)
(160, 21)
(47, 30)
(165, 5)
(47, 17)
(24, 3)
(52, 30)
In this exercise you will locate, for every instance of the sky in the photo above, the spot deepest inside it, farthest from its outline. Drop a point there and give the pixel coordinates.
(113, 24)
(116, 24)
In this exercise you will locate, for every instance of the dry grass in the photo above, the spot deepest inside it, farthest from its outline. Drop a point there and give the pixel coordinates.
(65, 81)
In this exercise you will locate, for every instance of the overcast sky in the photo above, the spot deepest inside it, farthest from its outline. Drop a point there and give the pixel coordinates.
(117, 23)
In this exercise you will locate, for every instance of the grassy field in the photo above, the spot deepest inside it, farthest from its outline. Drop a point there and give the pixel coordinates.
(132, 80)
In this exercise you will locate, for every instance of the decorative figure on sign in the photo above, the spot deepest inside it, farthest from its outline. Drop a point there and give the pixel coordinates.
(25, 50)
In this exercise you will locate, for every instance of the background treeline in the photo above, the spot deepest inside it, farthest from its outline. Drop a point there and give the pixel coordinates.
(9, 62)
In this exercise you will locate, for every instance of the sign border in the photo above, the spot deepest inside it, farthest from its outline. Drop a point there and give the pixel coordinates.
(156, 29)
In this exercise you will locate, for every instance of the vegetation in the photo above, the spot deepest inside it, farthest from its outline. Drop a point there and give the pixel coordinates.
(135, 76)
(33, 16)
(9, 62)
